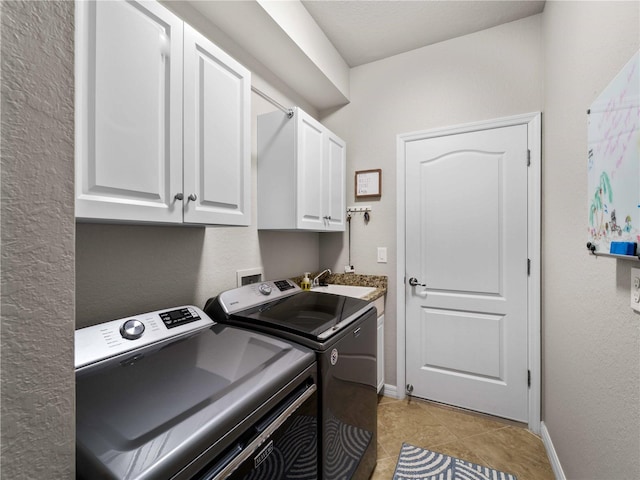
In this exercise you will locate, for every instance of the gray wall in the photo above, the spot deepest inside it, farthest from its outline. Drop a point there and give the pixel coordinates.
(591, 336)
(489, 74)
(37, 379)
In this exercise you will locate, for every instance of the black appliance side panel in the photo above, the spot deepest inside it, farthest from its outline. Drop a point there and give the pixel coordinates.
(349, 402)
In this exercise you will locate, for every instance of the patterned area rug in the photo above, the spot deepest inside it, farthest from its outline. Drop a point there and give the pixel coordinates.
(418, 464)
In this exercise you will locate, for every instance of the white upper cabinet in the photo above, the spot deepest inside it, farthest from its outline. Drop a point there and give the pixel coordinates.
(301, 174)
(217, 148)
(138, 68)
(310, 150)
(128, 112)
(334, 181)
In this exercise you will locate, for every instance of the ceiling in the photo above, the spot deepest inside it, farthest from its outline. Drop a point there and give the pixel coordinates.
(309, 46)
(364, 31)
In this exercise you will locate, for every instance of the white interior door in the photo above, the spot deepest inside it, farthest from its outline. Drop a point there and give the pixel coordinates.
(466, 248)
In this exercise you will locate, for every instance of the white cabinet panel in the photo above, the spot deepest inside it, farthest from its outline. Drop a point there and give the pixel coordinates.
(380, 354)
(301, 174)
(335, 181)
(137, 159)
(310, 167)
(128, 111)
(217, 150)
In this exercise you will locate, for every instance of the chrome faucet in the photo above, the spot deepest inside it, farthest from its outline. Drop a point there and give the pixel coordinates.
(316, 280)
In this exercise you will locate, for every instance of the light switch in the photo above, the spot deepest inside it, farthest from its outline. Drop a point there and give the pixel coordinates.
(635, 289)
(382, 254)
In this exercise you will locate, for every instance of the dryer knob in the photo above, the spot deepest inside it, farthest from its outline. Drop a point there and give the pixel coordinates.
(264, 289)
(132, 329)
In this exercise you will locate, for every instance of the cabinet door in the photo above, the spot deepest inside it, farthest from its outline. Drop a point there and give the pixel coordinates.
(334, 183)
(128, 112)
(310, 152)
(217, 149)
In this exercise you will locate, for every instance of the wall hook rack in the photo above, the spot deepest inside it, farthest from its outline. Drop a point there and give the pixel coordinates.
(364, 210)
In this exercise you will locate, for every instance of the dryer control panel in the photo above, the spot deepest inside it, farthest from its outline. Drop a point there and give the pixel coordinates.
(123, 337)
(255, 294)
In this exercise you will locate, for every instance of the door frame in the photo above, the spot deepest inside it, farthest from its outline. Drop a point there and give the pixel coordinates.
(534, 140)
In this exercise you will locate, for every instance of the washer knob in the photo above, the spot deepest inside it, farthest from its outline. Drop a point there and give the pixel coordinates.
(132, 329)
(264, 289)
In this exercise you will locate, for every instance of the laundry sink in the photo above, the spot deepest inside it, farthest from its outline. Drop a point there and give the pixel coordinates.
(346, 290)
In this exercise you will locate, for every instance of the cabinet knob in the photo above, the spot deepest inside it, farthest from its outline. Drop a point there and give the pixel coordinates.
(193, 197)
(178, 196)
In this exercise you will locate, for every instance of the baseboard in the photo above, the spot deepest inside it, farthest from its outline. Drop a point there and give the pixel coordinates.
(551, 453)
(390, 391)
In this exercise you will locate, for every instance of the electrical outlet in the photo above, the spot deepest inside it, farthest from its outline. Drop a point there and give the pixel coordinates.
(248, 276)
(382, 254)
(635, 289)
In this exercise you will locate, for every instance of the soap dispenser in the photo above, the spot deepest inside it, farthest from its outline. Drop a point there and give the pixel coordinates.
(306, 283)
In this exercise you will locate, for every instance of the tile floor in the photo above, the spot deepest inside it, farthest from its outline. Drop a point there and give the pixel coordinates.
(485, 440)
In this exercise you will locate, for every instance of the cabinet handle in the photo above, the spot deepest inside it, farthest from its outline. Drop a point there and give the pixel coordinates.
(193, 197)
(178, 196)
(165, 46)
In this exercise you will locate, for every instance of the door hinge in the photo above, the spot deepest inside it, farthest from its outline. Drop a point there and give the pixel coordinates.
(528, 267)
(529, 378)
(528, 158)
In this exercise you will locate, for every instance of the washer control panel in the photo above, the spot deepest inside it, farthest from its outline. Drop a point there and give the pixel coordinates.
(179, 316)
(132, 329)
(109, 340)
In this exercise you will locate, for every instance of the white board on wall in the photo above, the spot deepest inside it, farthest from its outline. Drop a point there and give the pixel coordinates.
(613, 162)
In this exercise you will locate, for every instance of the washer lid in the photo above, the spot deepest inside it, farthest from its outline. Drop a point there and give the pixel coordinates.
(311, 314)
(150, 416)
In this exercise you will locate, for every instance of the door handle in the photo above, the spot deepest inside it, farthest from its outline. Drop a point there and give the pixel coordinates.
(414, 282)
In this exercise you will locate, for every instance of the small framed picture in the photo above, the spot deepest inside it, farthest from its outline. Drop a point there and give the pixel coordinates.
(368, 183)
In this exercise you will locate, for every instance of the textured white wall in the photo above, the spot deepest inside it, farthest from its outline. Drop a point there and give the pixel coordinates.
(489, 74)
(591, 336)
(37, 380)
